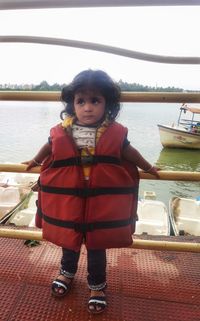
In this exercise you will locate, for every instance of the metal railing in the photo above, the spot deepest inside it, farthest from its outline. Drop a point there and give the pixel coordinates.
(162, 97)
(127, 97)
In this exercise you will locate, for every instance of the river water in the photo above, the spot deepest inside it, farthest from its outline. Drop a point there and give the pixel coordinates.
(24, 127)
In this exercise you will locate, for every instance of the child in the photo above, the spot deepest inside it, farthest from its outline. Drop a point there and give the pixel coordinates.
(88, 182)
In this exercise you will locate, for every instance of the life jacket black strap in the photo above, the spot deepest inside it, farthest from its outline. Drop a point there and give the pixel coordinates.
(88, 192)
(85, 227)
(85, 160)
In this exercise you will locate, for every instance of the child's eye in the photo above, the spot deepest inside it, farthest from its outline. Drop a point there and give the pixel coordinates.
(80, 101)
(95, 101)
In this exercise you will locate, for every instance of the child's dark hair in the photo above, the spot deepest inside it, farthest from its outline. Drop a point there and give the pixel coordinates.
(94, 80)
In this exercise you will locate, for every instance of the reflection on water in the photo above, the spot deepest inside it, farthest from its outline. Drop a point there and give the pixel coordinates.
(173, 159)
(185, 189)
(179, 159)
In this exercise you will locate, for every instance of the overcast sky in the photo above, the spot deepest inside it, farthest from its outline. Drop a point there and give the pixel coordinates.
(171, 31)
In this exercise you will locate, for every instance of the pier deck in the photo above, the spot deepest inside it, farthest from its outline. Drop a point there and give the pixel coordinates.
(143, 285)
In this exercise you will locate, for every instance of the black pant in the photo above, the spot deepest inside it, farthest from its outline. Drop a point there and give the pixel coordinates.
(96, 266)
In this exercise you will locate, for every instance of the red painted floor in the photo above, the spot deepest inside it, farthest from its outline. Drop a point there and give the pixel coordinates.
(143, 285)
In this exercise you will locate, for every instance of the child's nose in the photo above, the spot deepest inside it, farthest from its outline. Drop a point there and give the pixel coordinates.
(88, 106)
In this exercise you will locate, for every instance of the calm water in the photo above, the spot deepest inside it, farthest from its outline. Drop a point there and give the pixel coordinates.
(24, 127)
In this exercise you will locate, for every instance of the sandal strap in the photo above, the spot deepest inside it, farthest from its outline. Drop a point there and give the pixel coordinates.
(98, 300)
(66, 274)
(58, 284)
(61, 283)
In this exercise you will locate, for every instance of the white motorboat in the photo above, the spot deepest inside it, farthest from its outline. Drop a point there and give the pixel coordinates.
(9, 198)
(184, 134)
(15, 189)
(24, 215)
(153, 217)
(25, 180)
(185, 215)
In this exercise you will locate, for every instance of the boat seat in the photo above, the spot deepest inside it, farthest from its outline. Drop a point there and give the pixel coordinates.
(148, 227)
(151, 222)
(151, 227)
(9, 198)
(185, 206)
(152, 218)
(189, 226)
(9, 195)
(153, 211)
(26, 216)
(23, 218)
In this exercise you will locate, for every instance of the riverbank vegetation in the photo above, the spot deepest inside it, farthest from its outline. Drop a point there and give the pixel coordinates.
(44, 86)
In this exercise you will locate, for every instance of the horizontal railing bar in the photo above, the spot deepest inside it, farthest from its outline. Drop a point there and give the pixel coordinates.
(33, 4)
(101, 48)
(137, 244)
(166, 246)
(164, 175)
(149, 97)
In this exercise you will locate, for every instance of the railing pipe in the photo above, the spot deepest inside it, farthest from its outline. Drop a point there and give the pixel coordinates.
(101, 48)
(137, 244)
(166, 246)
(172, 176)
(142, 97)
(42, 4)
(164, 175)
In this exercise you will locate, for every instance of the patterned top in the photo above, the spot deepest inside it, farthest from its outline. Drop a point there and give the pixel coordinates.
(84, 137)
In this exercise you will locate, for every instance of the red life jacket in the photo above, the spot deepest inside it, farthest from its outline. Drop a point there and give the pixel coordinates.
(102, 212)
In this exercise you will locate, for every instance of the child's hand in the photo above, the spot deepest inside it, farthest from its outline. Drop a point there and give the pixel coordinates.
(30, 164)
(35, 187)
(3, 185)
(154, 171)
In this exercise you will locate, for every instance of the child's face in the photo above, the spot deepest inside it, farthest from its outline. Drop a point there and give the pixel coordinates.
(89, 107)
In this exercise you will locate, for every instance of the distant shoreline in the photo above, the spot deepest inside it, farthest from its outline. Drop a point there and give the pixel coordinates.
(130, 87)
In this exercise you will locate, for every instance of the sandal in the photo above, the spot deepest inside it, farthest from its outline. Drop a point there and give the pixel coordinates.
(60, 288)
(97, 304)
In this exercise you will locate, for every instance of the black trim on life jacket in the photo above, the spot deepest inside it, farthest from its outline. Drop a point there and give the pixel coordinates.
(88, 192)
(85, 160)
(85, 227)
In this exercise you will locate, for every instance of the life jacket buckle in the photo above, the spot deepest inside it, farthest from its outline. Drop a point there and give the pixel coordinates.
(87, 160)
(77, 227)
(83, 227)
